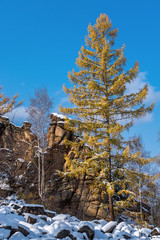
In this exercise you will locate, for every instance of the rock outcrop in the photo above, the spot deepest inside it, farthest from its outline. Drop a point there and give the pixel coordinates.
(19, 162)
(19, 170)
(16, 149)
(68, 195)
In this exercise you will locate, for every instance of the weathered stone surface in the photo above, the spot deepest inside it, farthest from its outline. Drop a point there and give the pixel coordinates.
(109, 227)
(6, 154)
(33, 209)
(56, 131)
(31, 220)
(27, 126)
(63, 234)
(50, 214)
(15, 206)
(155, 232)
(4, 120)
(19, 164)
(5, 193)
(19, 229)
(23, 230)
(89, 231)
(17, 139)
(43, 218)
(13, 230)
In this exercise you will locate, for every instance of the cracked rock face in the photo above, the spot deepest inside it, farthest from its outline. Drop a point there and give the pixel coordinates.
(56, 131)
(19, 171)
(19, 162)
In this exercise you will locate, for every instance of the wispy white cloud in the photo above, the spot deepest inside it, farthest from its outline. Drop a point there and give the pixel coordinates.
(153, 94)
(148, 118)
(139, 82)
(18, 115)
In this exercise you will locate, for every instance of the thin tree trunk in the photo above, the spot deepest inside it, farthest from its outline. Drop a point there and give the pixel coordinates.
(39, 175)
(43, 176)
(140, 196)
(39, 165)
(111, 209)
(43, 125)
(43, 137)
(42, 179)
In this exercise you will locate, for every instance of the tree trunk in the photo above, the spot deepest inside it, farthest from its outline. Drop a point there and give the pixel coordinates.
(140, 200)
(42, 178)
(111, 210)
(39, 174)
(39, 166)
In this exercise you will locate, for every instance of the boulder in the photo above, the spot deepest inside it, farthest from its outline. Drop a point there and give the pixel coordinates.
(50, 214)
(15, 206)
(33, 209)
(109, 227)
(63, 234)
(155, 232)
(31, 220)
(20, 229)
(86, 227)
(23, 230)
(17, 235)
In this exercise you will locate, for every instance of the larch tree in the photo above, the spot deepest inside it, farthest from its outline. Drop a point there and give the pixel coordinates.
(8, 104)
(39, 110)
(102, 111)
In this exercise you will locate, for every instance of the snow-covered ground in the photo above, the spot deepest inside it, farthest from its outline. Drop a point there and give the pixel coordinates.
(20, 221)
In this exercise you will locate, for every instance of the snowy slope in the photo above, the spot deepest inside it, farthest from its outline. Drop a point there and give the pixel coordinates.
(20, 221)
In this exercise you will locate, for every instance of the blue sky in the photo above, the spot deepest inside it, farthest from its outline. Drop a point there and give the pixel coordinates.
(40, 41)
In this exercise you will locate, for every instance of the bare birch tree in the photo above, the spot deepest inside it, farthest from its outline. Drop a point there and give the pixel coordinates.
(39, 110)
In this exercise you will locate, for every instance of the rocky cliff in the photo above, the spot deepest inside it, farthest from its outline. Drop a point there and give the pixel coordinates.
(19, 171)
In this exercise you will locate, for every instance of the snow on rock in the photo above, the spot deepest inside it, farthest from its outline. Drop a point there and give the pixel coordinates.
(4, 233)
(4, 185)
(146, 231)
(33, 208)
(20, 160)
(18, 236)
(58, 115)
(99, 235)
(50, 213)
(109, 227)
(88, 228)
(29, 224)
(4, 181)
(56, 227)
(86, 224)
(121, 234)
(61, 217)
(155, 231)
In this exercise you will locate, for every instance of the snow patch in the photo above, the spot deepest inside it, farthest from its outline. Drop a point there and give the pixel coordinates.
(58, 115)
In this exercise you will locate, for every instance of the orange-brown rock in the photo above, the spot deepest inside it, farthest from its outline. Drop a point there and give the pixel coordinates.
(19, 156)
